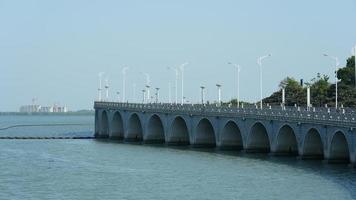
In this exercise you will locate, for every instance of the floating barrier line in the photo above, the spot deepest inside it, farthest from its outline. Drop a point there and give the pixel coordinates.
(29, 125)
(44, 138)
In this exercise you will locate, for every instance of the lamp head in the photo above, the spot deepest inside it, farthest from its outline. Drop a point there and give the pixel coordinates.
(124, 70)
(181, 67)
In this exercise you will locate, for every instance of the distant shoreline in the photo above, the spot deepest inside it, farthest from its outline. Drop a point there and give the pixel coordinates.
(48, 113)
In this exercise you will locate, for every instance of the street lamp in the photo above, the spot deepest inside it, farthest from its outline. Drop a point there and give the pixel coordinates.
(107, 88)
(238, 68)
(176, 84)
(308, 97)
(147, 85)
(185, 100)
(148, 93)
(124, 83)
(170, 87)
(157, 94)
(202, 94)
(355, 63)
(143, 96)
(118, 96)
(181, 67)
(259, 62)
(100, 85)
(169, 93)
(283, 96)
(134, 93)
(336, 79)
(176, 70)
(219, 93)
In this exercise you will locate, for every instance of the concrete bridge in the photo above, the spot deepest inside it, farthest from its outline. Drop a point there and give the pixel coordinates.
(316, 133)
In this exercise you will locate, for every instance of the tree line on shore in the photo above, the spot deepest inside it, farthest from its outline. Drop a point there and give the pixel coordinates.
(322, 90)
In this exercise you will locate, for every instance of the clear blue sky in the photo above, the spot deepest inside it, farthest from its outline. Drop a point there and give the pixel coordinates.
(53, 50)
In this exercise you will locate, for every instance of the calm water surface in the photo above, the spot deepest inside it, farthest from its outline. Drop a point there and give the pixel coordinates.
(91, 169)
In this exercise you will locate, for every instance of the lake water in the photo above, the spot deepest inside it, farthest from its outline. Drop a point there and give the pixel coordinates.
(100, 169)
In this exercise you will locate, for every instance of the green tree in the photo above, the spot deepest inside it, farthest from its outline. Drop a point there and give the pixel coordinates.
(346, 95)
(319, 90)
(293, 92)
(347, 74)
(233, 102)
(274, 99)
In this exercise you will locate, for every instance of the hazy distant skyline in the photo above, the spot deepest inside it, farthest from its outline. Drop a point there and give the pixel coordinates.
(54, 50)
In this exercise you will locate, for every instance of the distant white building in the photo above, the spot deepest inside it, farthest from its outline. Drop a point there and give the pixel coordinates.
(45, 109)
(57, 108)
(30, 108)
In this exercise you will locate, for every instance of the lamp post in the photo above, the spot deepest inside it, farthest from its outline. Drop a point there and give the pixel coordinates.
(148, 93)
(185, 99)
(170, 88)
(308, 98)
(336, 79)
(181, 67)
(219, 93)
(147, 85)
(259, 62)
(157, 94)
(283, 96)
(355, 63)
(238, 68)
(134, 93)
(143, 96)
(202, 94)
(169, 93)
(100, 85)
(176, 70)
(124, 83)
(176, 84)
(107, 89)
(118, 96)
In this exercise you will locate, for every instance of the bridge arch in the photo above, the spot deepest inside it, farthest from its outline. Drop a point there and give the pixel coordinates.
(258, 139)
(313, 145)
(179, 131)
(205, 134)
(117, 126)
(230, 136)
(134, 128)
(155, 130)
(339, 147)
(286, 141)
(104, 125)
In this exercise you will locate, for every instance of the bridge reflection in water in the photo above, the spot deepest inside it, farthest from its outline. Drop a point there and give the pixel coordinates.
(317, 133)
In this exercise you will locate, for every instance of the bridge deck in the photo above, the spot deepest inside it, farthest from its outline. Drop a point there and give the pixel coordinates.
(341, 117)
